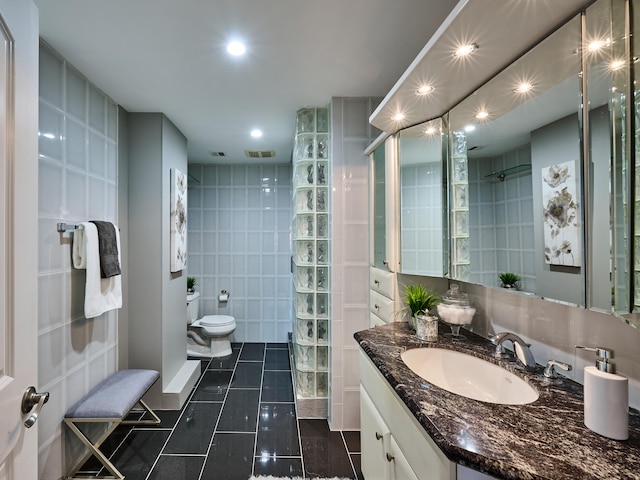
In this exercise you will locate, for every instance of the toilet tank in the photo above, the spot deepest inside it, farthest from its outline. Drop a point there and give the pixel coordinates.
(193, 303)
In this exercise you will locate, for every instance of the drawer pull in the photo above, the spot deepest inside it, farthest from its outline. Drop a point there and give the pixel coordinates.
(377, 282)
(376, 306)
(378, 436)
(390, 457)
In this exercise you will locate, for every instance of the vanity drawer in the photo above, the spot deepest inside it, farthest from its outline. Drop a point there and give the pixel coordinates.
(382, 306)
(375, 320)
(383, 282)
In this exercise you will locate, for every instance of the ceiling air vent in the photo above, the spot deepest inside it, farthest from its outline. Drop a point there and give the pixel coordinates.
(260, 153)
(218, 154)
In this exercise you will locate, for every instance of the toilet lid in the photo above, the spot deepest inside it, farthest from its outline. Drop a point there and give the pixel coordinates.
(217, 320)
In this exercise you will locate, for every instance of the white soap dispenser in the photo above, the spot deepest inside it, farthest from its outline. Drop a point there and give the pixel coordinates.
(606, 397)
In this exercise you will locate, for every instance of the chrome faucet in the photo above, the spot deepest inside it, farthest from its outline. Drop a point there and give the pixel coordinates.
(520, 347)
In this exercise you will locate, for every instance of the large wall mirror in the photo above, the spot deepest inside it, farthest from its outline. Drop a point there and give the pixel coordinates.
(521, 133)
(538, 186)
(423, 181)
(379, 241)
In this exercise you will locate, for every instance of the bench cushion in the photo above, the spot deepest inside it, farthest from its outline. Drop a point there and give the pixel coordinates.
(115, 395)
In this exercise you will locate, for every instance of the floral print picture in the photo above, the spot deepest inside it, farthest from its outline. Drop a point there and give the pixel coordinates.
(561, 215)
(178, 220)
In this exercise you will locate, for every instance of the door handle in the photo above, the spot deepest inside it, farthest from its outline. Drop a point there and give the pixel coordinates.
(32, 403)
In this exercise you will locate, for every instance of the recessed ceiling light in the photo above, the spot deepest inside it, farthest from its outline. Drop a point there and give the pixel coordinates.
(425, 90)
(469, 128)
(430, 131)
(256, 133)
(465, 50)
(524, 87)
(482, 115)
(236, 48)
(397, 117)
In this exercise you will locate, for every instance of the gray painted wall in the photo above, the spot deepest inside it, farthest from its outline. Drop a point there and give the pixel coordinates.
(157, 298)
(555, 143)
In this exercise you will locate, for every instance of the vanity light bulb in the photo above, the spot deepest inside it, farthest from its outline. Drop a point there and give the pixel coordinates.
(466, 50)
(425, 90)
(598, 44)
(524, 88)
(617, 64)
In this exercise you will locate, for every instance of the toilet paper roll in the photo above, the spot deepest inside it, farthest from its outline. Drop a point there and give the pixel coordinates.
(606, 403)
(223, 297)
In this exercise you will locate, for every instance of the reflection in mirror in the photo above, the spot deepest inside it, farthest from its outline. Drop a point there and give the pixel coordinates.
(379, 206)
(521, 136)
(422, 239)
(607, 190)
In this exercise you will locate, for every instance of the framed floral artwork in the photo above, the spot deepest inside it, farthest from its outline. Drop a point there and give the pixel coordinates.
(561, 212)
(178, 220)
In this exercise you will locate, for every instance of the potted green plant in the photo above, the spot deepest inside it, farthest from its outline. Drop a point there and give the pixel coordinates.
(191, 284)
(419, 300)
(510, 280)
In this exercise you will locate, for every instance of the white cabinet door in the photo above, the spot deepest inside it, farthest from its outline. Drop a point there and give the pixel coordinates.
(400, 468)
(18, 234)
(374, 438)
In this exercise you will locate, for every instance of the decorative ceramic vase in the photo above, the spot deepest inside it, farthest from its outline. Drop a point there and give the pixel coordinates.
(427, 328)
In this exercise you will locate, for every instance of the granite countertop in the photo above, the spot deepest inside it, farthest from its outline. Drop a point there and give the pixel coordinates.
(546, 439)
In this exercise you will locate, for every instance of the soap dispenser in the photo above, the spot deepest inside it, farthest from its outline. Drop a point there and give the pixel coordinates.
(606, 397)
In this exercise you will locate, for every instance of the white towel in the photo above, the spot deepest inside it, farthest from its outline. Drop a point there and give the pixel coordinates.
(101, 294)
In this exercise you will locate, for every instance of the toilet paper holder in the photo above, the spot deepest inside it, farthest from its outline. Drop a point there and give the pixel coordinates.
(223, 297)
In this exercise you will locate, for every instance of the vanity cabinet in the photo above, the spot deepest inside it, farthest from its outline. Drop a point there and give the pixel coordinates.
(394, 445)
(383, 292)
(382, 457)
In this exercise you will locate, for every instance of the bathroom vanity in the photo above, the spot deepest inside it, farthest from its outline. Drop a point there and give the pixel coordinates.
(412, 429)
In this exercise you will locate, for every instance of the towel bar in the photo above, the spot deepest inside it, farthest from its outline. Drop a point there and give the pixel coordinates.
(63, 227)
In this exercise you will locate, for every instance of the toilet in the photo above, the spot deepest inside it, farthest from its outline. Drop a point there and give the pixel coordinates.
(208, 336)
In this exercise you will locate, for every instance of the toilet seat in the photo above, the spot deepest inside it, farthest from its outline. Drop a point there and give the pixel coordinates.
(216, 320)
(216, 325)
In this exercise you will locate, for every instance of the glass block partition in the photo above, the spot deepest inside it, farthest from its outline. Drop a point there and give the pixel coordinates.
(460, 258)
(311, 196)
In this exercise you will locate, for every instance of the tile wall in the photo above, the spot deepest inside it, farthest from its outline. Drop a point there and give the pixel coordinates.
(239, 240)
(501, 220)
(78, 180)
(351, 135)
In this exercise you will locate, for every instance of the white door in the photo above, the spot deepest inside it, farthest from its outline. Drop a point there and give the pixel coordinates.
(18, 234)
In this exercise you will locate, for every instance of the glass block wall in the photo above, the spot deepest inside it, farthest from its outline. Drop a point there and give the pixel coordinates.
(460, 254)
(311, 258)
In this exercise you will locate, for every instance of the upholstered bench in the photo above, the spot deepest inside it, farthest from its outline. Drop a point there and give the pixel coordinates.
(110, 402)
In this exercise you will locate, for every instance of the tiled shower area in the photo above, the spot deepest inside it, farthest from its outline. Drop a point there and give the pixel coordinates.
(239, 224)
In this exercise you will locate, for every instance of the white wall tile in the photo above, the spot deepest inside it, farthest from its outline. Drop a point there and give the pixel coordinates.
(242, 254)
(51, 307)
(67, 193)
(51, 356)
(76, 94)
(51, 77)
(51, 132)
(97, 110)
(50, 189)
(76, 195)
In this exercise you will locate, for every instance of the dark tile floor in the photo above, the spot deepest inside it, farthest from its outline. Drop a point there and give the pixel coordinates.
(240, 421)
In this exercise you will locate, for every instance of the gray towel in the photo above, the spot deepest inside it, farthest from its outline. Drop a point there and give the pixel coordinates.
(108, 248)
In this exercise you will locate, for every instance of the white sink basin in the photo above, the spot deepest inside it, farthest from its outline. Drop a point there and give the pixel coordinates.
(469, 376)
